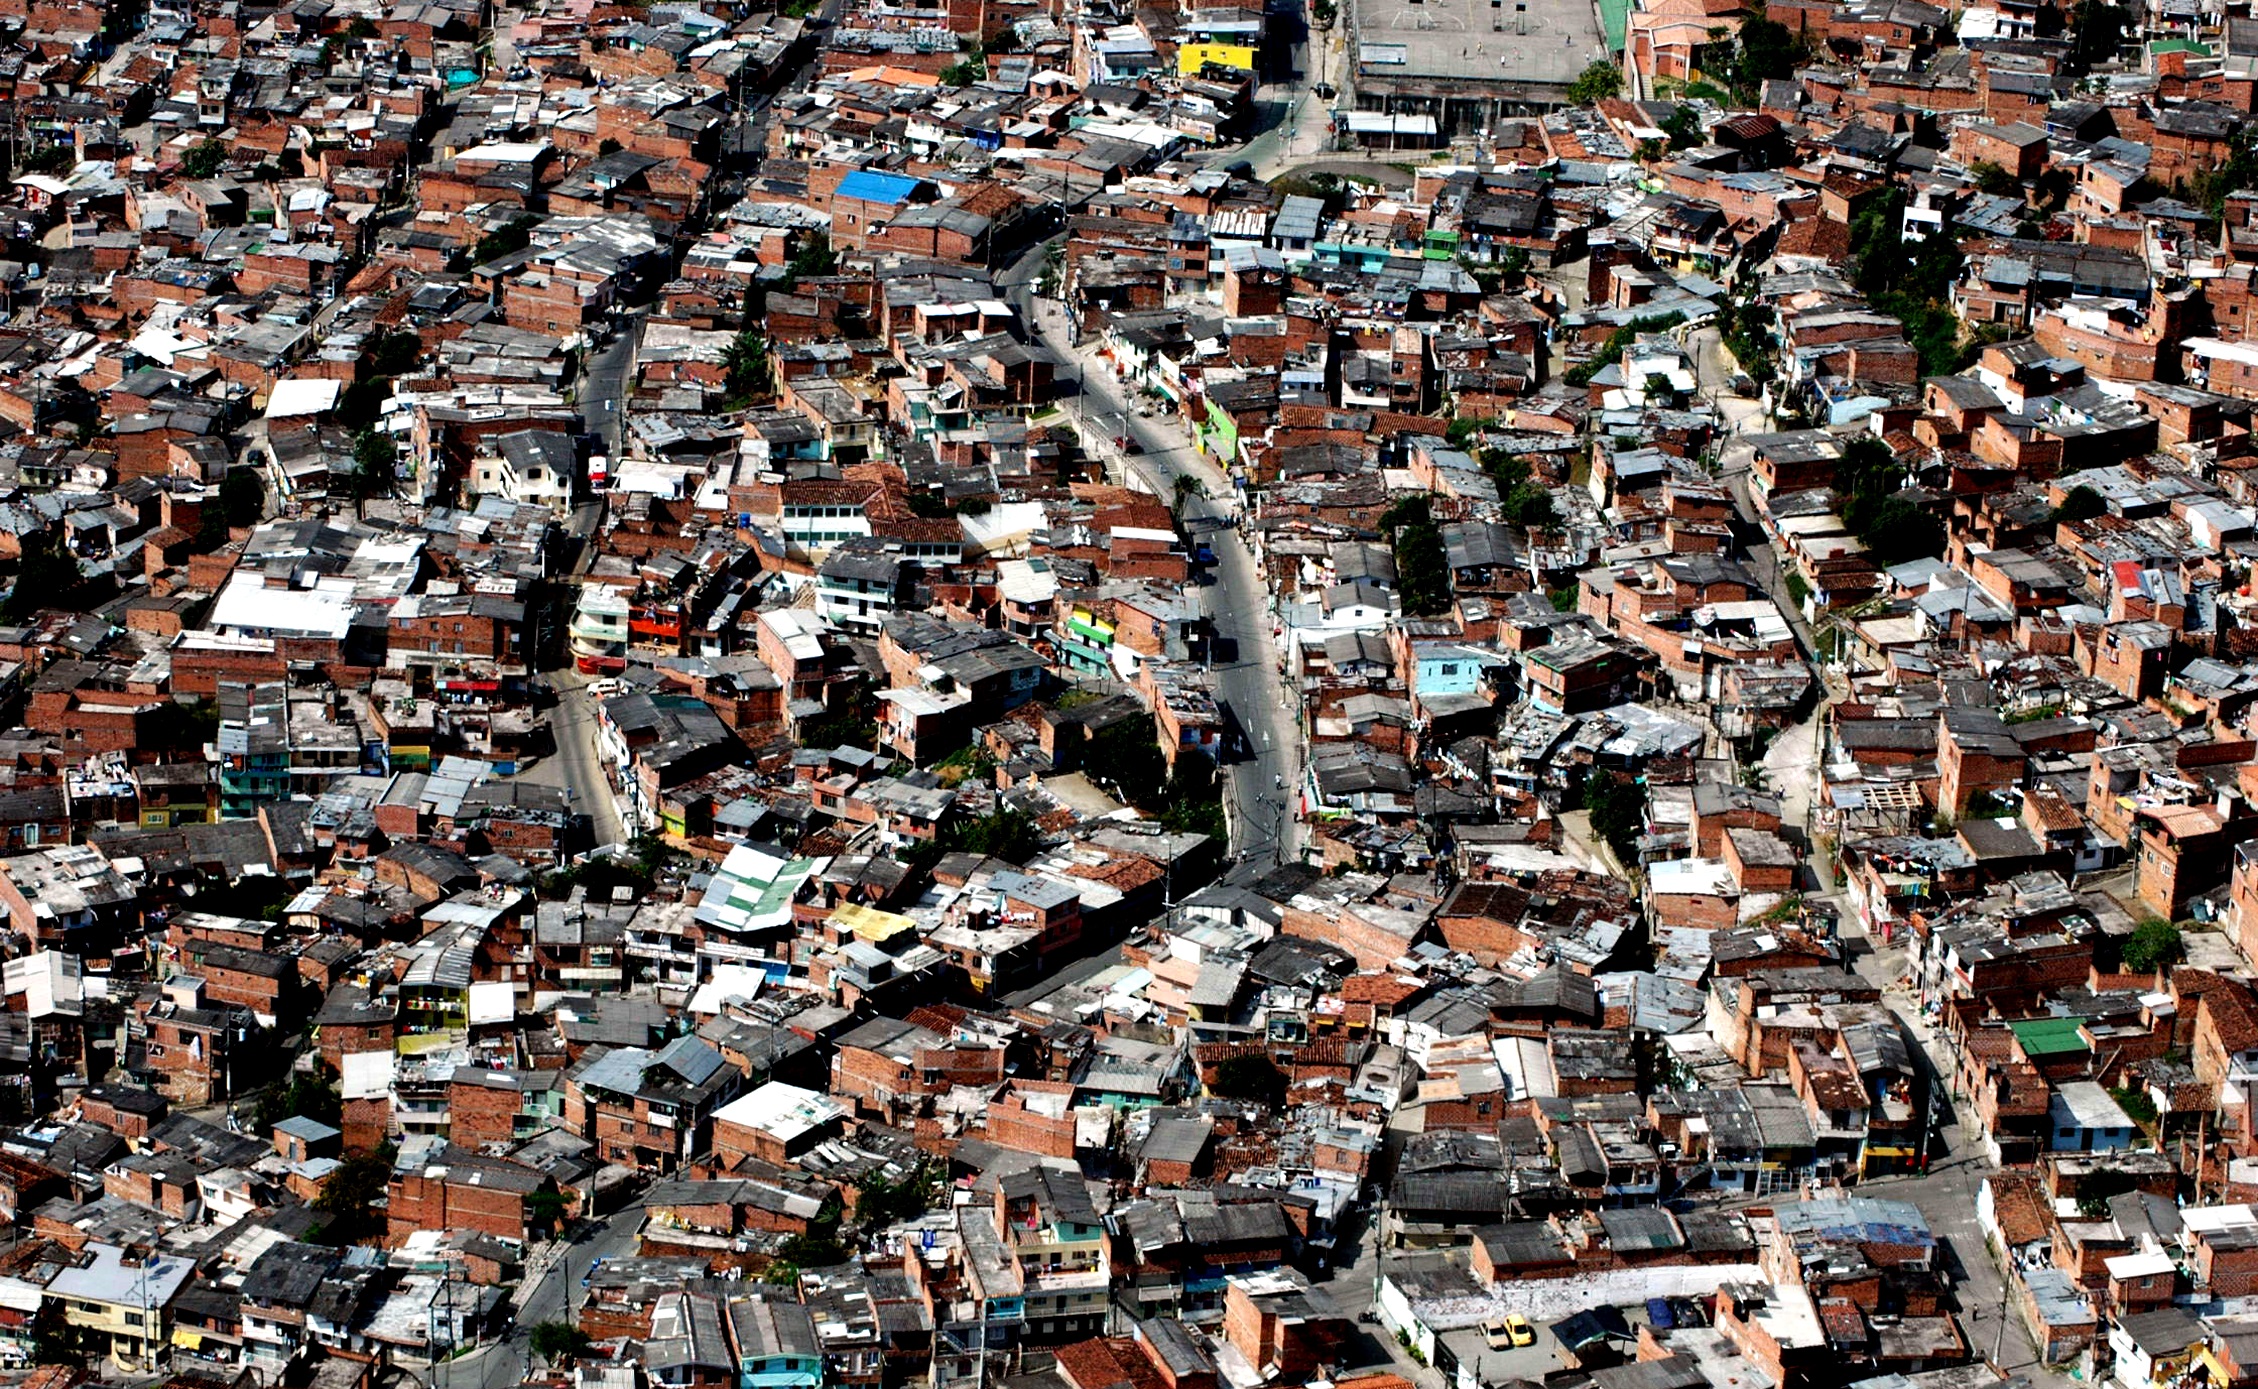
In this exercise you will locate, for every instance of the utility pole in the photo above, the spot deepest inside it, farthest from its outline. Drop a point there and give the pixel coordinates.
(148, 1331)
(1999, 1340)
(447, 1301)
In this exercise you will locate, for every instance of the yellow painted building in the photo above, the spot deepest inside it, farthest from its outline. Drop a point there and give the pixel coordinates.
(870, 924)
(1193, 58)
(124, 1299)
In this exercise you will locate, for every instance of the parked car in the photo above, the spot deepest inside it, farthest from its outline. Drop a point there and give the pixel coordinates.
(1517, 1327)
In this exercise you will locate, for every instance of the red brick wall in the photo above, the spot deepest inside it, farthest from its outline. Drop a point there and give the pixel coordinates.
(366, 1123)
(480, 1114)
(421, 1202)
(1011, 1125)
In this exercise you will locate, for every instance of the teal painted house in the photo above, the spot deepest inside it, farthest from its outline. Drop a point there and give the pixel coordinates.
(775, 1344)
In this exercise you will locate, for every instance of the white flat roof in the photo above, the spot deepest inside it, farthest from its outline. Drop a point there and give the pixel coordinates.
(1691, 876)
(248, 607)
(302, 395)
(785, 1111)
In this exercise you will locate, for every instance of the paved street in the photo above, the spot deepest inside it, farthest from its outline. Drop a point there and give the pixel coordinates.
(603, 385)
(575, 765)
(1303, 129)
(1792, 762)
(1262, 775)
(1946, 1193)
(553, 1296)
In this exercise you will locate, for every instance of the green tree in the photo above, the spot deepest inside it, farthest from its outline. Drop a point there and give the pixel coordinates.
(1463, 430)
(814, 259)
(1870, 480)
(1520, 496)
(1992, 179)
(1125, 754)
(1746, 330)
(204, 159)
(1767, 52)
(312, 1097)
(973, 68)
(1194, 798)
(389, 354)
(2081, 503)
(854, 724)
(2237, 173)
(812, 1251)
(1910, 282)
(508, 239)
(2096, 32)
(746, 362)
(557, 1340)
(177, 727)
(1422, 571)
(1618, 809)
(1901, 531)
(56, 1342)
(51, 159)
(881, 1201)
(1253, 1077)
(1596, 83)
(1683, 126)
(384, 356)
(352, 1200)
(1007, 834)
(243, 496)
(2153, 944)
(376, 464)
(47, 577)
(374, 451)
(544, 1211)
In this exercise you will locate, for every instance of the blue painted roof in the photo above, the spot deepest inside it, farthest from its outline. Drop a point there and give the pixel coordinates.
(872, 187)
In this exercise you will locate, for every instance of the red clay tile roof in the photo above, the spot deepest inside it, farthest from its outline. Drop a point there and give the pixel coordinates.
(1091, 1365)
(1815, 236)
(1127, 874)
(2019, 1206)
(2232, 1016)
(1381, 990)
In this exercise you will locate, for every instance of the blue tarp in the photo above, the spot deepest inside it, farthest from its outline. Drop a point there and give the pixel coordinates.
(872, 187)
